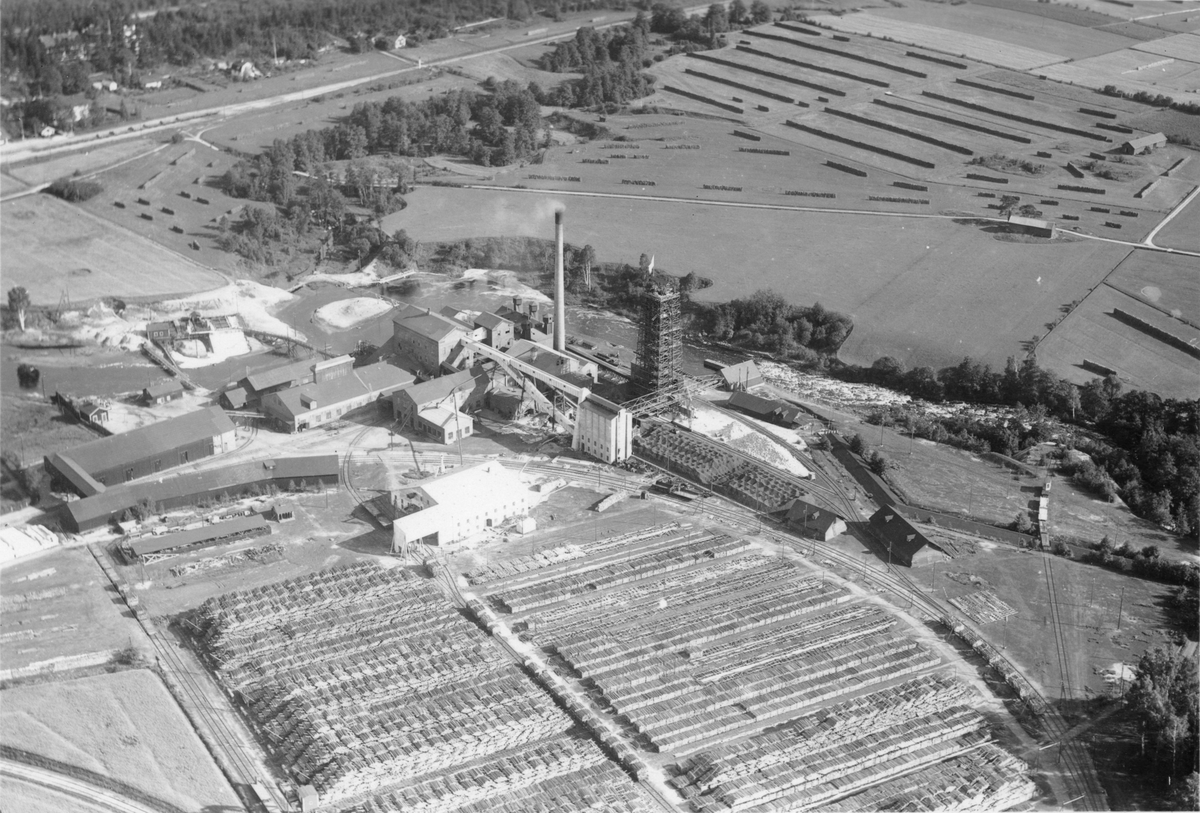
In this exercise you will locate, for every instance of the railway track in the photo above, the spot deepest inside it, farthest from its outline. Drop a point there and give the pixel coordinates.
(1060, 644)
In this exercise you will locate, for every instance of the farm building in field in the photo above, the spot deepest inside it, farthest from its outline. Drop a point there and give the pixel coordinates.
(1030, 225)
(311, 405)
(813, 521)
(903, 540)
(438, 407)
(1143, 144)
(767, 409)
(162, 392)
(428, 337)
(191, 488)
(741, 376)
(459, 505)
(90, 468)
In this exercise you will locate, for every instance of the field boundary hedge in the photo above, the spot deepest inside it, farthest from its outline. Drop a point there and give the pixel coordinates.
(937, 59)
(681, 146)
(892, 128)
(1062, 128)
(1092, 190)
(573, 178)
(779, 97)
(860, 144)
(810, 66)
(1164, 336)
(846, 168)
(721, 188)
(1091, 111)
(979, 128)
(799, 194)
(636, 182)
(836, 52)
(769, 74)
(1016, 94)
(688, 94)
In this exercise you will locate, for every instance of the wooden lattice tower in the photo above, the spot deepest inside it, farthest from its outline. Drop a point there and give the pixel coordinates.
(660, 343)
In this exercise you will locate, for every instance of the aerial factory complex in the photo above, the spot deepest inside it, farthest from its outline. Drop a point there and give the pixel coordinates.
(848, 459)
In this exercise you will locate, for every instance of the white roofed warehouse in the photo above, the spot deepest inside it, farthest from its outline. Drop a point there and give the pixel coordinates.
(459, 505)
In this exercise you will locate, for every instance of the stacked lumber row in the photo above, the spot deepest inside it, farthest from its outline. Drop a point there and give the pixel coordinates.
(545, 761)
(615, 574)
(599, 653)
(986, 778)
(757, 486)
(596, 789)
(697, 460)
(787, 688)
(512, 567)
(826, 754)
(642, 601)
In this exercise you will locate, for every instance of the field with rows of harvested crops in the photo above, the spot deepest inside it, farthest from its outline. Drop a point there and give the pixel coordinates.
(719, 663)
(1111, 330)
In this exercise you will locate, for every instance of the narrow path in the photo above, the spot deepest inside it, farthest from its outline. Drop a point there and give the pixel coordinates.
(1182, 204)
(98, 798)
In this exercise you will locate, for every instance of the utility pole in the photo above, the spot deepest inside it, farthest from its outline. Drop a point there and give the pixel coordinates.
(1120, 609)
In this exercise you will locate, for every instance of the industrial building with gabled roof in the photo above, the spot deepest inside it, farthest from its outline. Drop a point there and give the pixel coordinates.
(904, 541)
(458, 505)
(813, 521)
(1143, 144)
(90, 468)
(741, 376)
(190, 488)
(429, 407)
(312, 405)
(767, 409)
(427, 337)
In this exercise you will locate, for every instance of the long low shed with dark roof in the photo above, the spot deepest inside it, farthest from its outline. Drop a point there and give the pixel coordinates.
(93, 467)
(188, 489)
(157, 547)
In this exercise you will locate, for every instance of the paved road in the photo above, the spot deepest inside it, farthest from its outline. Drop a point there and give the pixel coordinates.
(98, 798)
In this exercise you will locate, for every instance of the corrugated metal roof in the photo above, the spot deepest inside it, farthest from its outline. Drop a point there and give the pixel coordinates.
(283, 374)
(119, 497)
(437, 389)
(374, 378)
(744, 372)
(197, 536)
(430, 325)
(157, 438)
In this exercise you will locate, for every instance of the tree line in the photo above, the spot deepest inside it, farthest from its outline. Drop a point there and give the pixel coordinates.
(1149, 454)
(611, 63)
(766, 321)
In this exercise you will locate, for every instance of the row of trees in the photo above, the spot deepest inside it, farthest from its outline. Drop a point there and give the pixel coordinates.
(766, 321)
(1151, 455)
(611, 63)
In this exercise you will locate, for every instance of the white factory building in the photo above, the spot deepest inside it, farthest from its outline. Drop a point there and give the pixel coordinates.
(459, 505)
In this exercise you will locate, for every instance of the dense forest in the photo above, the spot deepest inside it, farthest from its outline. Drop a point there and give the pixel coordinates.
(1150, 454)
(611, 63)
(766, 321)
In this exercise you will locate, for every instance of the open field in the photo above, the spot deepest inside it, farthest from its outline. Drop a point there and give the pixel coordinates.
(1179, 46)
(1006, 26)
(1088, 599)
(1093, 333)
(51, 246)
(125, 727)
(163, 180)
(1166, 281)
(33, 173)
(60, 605)
(1183, 232)
(905, 282)
(32, 427)
(936, 38)
(1130, 70)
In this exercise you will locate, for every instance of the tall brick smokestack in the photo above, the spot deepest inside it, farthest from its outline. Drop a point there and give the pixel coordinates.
(560, 299)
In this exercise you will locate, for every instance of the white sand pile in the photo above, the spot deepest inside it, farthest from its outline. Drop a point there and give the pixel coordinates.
(716, 424)
(252, 301)
(223, 344)
(349, 313)
(826, 389)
